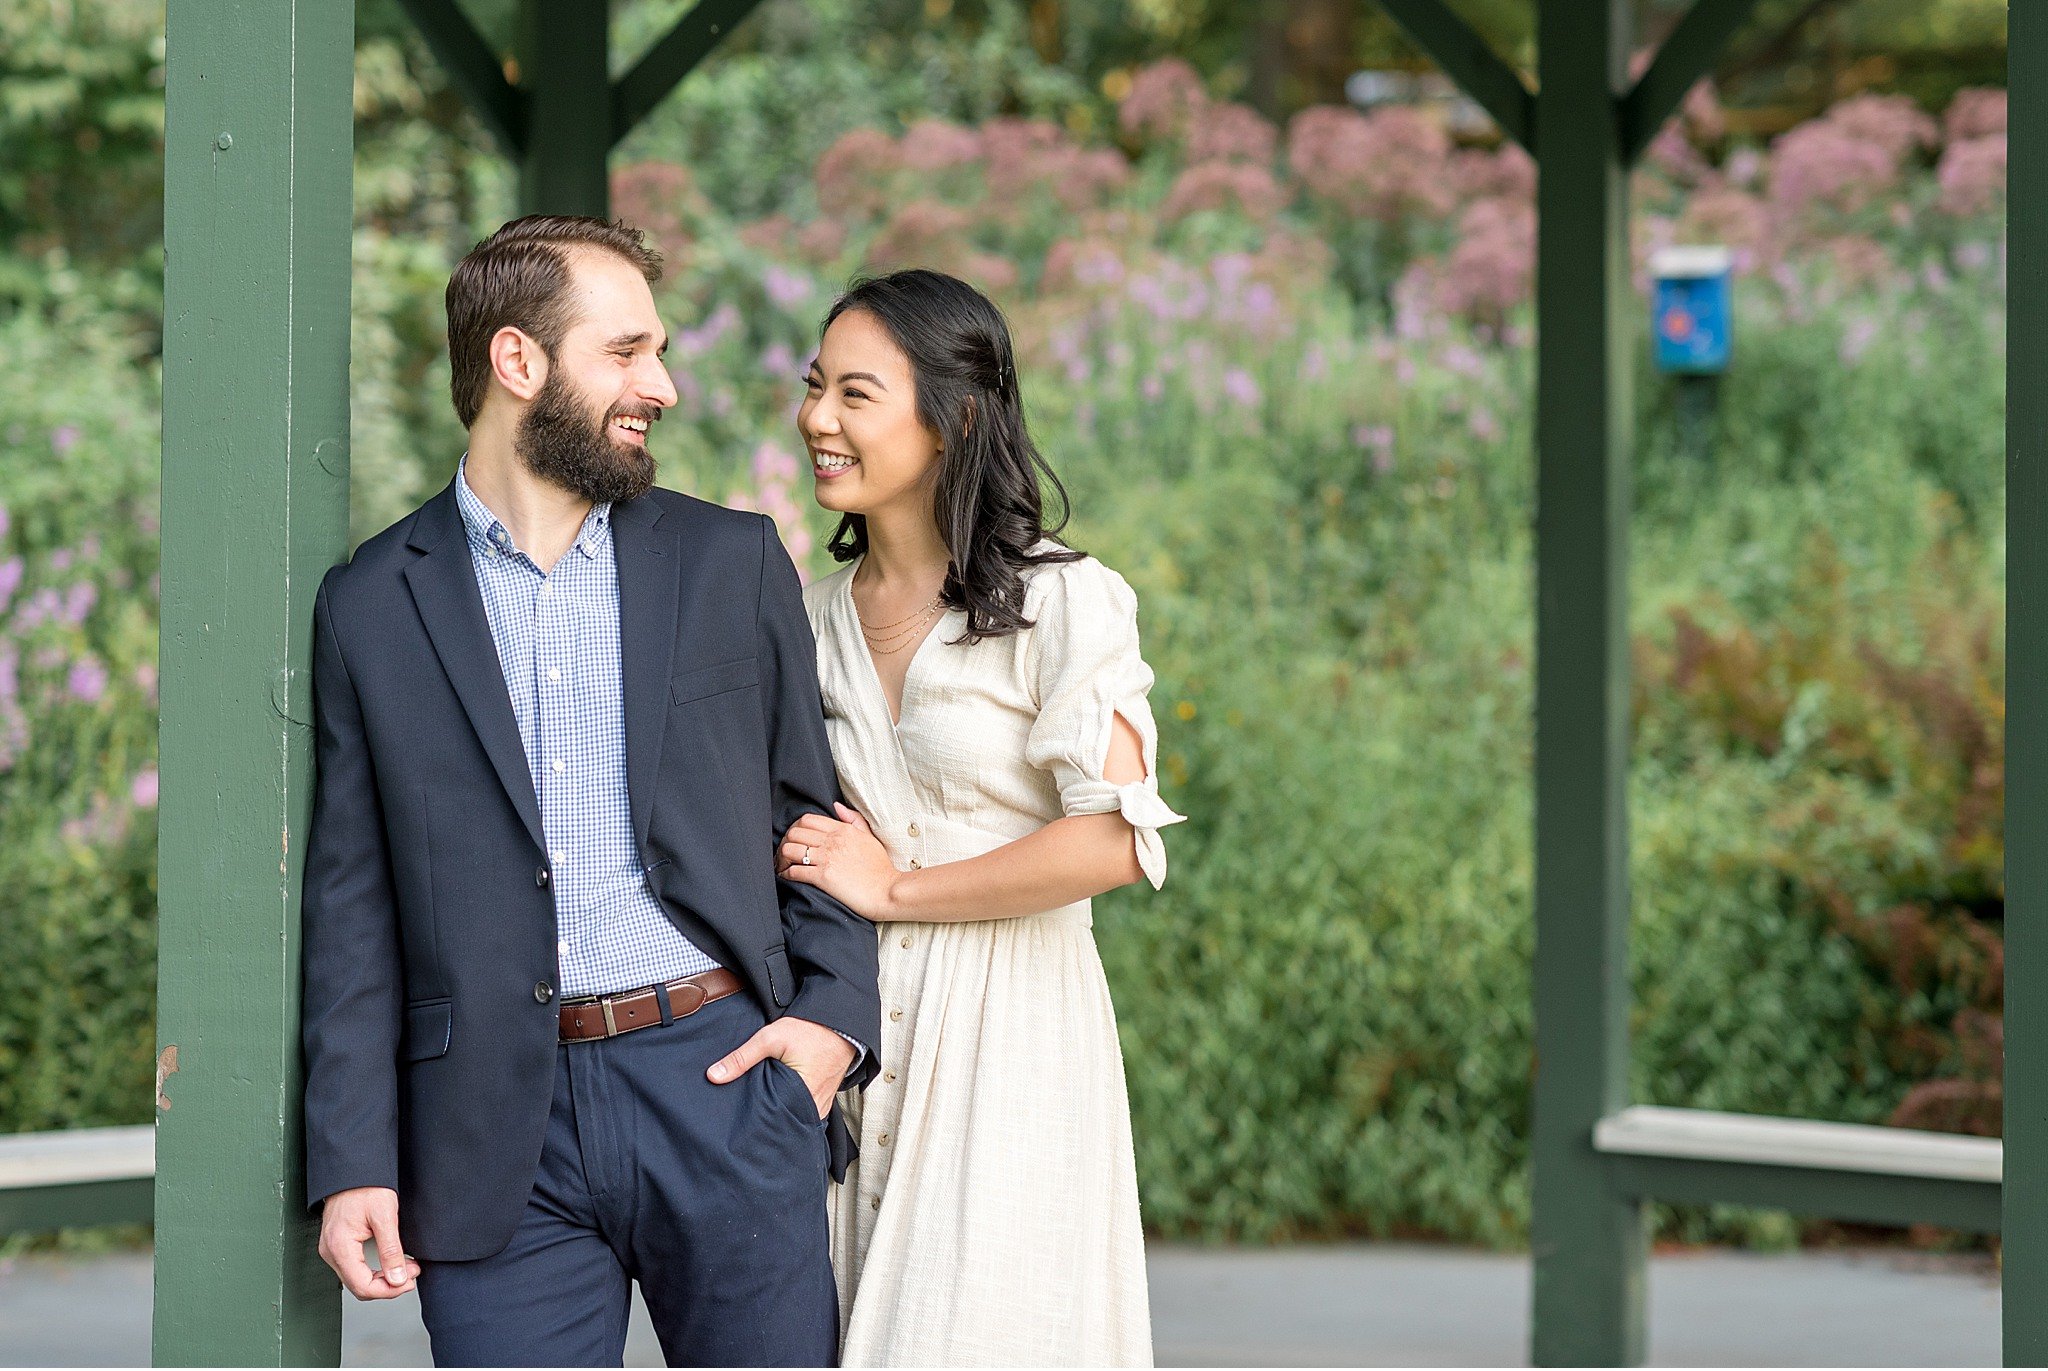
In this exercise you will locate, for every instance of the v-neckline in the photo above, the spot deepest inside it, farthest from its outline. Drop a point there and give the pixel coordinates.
(867, 654)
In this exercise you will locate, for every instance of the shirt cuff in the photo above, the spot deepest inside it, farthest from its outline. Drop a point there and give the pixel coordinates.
(860, 1054)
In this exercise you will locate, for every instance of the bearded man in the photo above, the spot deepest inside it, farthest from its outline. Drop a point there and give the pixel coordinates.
(564, 1028)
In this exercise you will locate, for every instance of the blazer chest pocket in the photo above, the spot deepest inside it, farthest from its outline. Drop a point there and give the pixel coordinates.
(696, 684)
(429, 1026)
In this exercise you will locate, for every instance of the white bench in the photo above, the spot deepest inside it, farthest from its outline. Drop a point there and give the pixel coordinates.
(1709, 1135)
(78, 1176)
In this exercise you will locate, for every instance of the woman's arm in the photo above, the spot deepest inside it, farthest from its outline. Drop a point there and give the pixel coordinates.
(1068, 860)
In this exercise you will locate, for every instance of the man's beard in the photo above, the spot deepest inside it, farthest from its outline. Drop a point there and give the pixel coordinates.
(562, 444)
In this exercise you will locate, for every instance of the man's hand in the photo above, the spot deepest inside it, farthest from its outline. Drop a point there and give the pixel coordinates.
(816, 1053)
(354, 1217)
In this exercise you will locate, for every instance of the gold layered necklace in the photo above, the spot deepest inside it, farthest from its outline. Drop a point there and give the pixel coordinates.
(890, 638)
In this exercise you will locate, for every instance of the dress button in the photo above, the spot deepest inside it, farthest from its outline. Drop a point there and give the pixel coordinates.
(889, 1076)
(541, 877)
(916, 865)
(906, 940)
(875, 1203)
(913, 830)
(894, 1015)
(542, 992)
(883, 1139)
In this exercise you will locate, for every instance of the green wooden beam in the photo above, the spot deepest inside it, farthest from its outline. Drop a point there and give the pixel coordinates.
(673, 58)
(1682, 59)
(257, 145)
(1851, 1196)
(474, 70)
(564, 66)
(1588, 1242)
(1467, 60)
(2026, 691)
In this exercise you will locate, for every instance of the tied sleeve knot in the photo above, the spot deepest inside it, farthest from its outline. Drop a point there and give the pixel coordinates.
(1141, 806)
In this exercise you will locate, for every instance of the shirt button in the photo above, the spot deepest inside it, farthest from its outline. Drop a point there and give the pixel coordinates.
(906, 940)
(913, 829)
(560, 766)
(559, 857)
(895, 1015)
(542, 992)
(554, 673)
(883, 1139)
(889, 1077)
(546, 586)
(875, 1203)
(916, 865)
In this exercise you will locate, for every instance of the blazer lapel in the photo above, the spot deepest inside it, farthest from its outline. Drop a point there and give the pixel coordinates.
(650, 587)
(443, 583)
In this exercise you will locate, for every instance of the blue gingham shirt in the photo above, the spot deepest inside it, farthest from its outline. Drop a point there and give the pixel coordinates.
(557, 634)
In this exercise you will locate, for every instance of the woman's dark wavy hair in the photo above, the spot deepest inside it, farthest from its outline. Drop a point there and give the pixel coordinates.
(988, 497)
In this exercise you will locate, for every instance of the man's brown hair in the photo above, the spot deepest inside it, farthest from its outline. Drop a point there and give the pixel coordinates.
(519, 278)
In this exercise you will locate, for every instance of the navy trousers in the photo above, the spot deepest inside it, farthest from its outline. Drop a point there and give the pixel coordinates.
(712, 1197)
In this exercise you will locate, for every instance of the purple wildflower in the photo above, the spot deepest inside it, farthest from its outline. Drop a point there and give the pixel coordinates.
(786, 289)
(1240, 387)
(88, 680)
(143, 789)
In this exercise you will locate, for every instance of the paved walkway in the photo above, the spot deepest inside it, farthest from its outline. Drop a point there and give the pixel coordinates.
(1353, 1305)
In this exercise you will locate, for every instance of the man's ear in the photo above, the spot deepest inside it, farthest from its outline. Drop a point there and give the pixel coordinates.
(518, 362)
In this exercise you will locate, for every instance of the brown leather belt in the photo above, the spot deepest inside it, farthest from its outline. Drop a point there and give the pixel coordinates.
(607, 1016)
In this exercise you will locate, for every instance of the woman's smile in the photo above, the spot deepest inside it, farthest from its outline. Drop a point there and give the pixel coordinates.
(827, 464)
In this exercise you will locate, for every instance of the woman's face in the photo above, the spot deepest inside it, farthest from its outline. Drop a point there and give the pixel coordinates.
(859, 420)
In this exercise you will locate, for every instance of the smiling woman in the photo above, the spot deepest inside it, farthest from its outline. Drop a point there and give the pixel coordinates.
(986, 704)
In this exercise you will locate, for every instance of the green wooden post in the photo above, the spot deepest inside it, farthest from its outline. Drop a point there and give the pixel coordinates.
(1588, 1239)
(258, 140)
(2026, 686)
(563, 60)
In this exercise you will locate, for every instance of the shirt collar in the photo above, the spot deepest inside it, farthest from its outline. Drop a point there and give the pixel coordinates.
(488, 534)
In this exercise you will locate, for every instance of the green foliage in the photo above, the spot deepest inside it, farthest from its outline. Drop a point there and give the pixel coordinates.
(78, 554)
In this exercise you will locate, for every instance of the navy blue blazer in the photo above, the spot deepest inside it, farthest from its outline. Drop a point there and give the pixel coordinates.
(428, 921)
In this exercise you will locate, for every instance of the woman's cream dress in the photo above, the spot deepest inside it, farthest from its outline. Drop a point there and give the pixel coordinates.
(992, 1218)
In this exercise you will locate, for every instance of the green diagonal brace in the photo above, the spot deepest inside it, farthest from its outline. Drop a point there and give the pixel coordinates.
(1682, 59)
(1467, 60)
(474, 70)
(670, 60)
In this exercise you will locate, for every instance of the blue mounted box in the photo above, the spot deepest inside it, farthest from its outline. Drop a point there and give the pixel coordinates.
(1692, 309)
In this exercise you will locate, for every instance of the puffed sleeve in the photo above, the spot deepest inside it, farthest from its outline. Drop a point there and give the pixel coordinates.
(1084, 662)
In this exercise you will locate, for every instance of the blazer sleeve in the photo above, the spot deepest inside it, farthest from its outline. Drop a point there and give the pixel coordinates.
(348, 927)
(831, 949)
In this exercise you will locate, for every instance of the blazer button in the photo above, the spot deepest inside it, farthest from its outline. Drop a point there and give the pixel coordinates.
(542, 992)
(541, 877)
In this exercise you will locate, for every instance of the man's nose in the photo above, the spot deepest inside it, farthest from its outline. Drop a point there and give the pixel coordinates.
(659, 387)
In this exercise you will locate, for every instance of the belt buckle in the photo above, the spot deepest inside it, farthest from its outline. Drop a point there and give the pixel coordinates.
(611, 1027)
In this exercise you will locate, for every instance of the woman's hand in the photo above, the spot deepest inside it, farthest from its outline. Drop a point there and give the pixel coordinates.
(843, 858)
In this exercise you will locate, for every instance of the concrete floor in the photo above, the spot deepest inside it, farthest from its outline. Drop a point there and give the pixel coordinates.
(1351, 1305)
